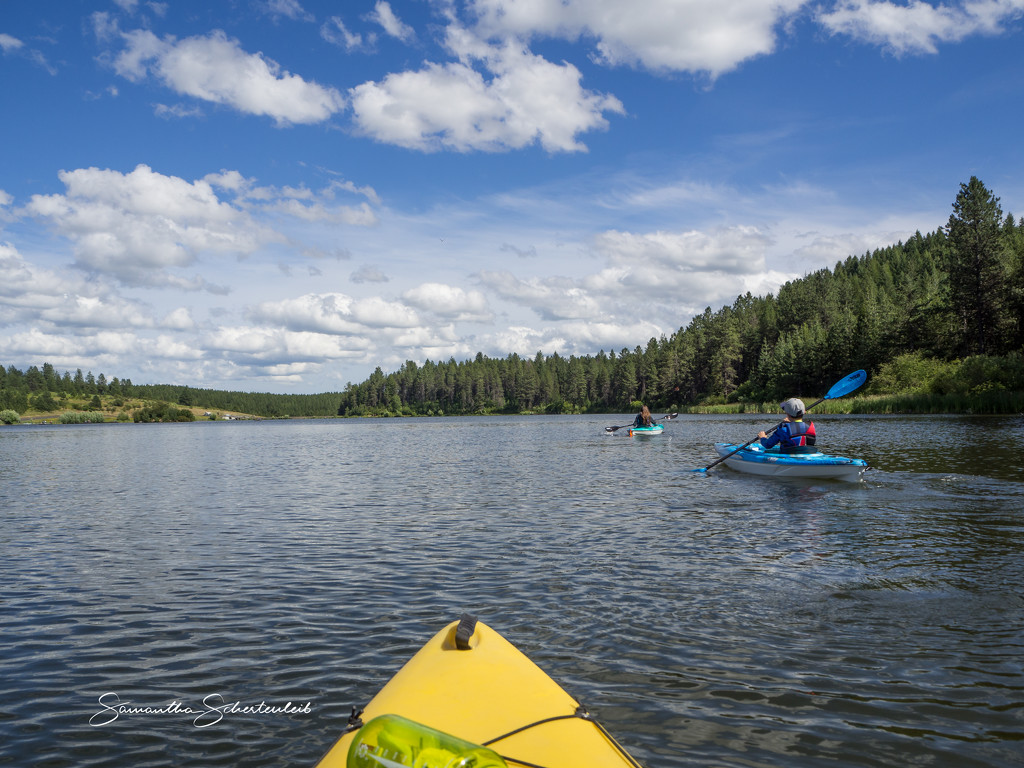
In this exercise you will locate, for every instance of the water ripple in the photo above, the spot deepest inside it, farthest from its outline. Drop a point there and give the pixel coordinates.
(706, 618)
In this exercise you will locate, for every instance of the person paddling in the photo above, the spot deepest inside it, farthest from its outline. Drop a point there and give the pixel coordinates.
(794, 435)
(643, 419)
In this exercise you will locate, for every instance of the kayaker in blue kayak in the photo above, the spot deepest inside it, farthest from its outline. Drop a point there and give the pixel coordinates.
(793, 435)
(643, 419)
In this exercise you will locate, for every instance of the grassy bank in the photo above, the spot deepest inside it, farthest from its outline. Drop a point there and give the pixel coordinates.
(996, 401)
(993, 402)
(115, 409)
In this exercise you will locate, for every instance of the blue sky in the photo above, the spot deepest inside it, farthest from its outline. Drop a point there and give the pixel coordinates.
(282, 195)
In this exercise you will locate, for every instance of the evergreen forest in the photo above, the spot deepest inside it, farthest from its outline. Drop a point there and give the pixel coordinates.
(937, 321)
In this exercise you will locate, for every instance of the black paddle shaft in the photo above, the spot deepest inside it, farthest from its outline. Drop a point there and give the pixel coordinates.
(663, 418)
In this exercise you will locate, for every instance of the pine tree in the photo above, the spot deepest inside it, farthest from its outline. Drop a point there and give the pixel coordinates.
(974, 288)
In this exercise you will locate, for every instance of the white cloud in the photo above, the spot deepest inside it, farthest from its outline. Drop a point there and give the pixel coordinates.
(375, 312)
(37, 344)
(290, 8)
(553, 298)
(33, 295)
(713, 36)
(452, 106)
(179, 319)
(385, 16)
(10, 44)
(570, 338)
(360, 216)
(176, 111)
(449, 301)
(95, 312)
(216, 69)
(918, 27)
(335, 313)
(26, 288)
(736, 250)
(143, 227)
(335, 32)
(268, 346)
(368, 274)
(651, 282)
(329, 313)
(587, 337)
(140, 226)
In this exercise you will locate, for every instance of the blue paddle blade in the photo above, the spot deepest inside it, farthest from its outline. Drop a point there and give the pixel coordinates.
(847, 385)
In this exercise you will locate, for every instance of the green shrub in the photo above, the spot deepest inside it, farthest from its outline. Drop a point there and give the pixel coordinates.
(9, 417)
(162, 412)
(44, 402)
(910, 373)
(82, 417)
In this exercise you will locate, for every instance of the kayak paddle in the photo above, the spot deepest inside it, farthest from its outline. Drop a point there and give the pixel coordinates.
(842, 387)
(663, 418)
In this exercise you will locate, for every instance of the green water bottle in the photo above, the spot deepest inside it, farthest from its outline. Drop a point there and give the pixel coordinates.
(391, 741)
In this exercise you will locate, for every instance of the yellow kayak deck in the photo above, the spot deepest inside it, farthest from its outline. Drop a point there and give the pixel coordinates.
(471, 682)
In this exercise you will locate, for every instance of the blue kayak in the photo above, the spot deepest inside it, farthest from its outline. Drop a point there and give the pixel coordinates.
(755, 460)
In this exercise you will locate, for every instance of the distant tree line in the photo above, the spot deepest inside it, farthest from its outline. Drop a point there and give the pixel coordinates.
(43, 387)
(258, 403)
(942, 312)
(955, 293)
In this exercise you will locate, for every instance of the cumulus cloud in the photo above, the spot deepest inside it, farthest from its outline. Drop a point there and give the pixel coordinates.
(370, 330)
(449, 301)
(452, 106)
(712, 36)
(33, 295)
(918, 27)
(569, 338)
(179, 319)
(144, 227)
(214, 68)
(96, 312)
(690, 269)
(335, 313)
(649, 284)
(26, 288)
(301, 202)
(250, 345)
(140, 226)
(553, 298)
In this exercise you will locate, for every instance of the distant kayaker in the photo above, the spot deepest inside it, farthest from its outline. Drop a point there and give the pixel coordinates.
(793, 434)
(643, 419)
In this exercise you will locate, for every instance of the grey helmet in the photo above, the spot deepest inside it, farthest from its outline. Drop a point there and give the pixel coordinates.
(794, 407)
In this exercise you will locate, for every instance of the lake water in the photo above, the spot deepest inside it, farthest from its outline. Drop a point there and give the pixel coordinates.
(710, 619)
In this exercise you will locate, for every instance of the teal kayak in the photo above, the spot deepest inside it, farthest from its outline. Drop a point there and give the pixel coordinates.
(755, 460)
(655, 429)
